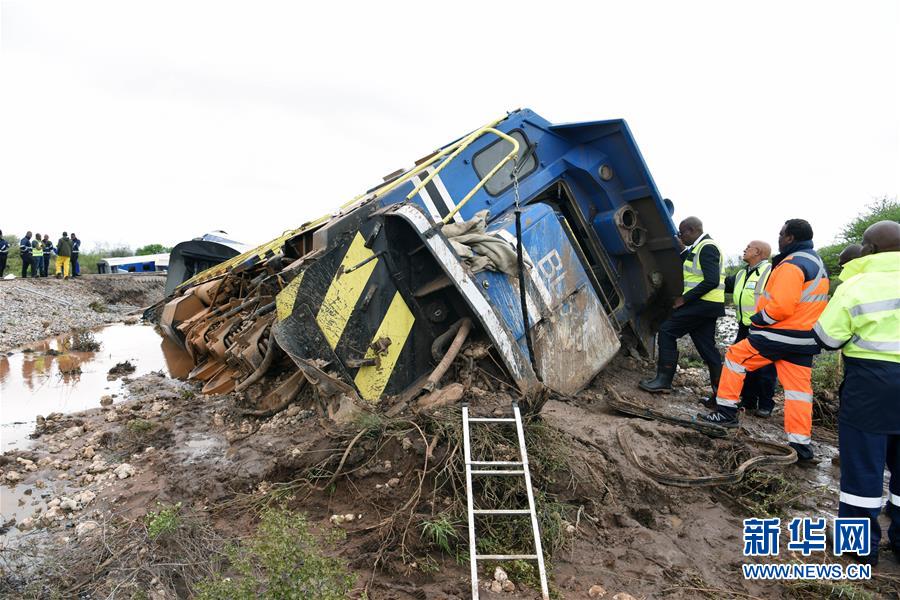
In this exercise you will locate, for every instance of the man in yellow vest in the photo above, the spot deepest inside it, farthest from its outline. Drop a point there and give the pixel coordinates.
(745, 288)
(695, 311)
(863, 319)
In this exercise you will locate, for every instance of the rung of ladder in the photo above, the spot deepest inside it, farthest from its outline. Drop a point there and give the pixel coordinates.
(495, 463)
(502, 511)
(491, 420)
(498, 472)
(506, 557)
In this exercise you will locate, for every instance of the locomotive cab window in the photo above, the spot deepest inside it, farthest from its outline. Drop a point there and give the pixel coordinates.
(487, 159)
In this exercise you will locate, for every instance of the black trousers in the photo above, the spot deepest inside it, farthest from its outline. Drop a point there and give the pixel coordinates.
(45, 265)
(3, 256)
(696, 320)
(27, 262)
(759, 385)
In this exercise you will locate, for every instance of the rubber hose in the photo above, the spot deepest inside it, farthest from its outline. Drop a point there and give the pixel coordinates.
(465, 325)
(263, 366)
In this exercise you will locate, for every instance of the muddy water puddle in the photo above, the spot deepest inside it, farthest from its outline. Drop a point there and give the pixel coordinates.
(46, 376)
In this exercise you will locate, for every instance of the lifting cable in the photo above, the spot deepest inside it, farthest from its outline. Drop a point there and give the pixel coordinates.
(521, 271)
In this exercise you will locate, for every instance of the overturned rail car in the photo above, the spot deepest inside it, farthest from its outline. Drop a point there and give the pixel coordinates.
(376, 301)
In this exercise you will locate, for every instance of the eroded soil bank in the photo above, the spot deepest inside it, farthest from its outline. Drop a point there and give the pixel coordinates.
(81, 503)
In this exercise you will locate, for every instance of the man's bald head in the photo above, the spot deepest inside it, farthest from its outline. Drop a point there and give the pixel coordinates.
(883, 236)
(756, 252)
(849, 253)
(690, 230)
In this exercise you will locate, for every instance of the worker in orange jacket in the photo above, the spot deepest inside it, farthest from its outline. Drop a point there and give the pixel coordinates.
(781, 333)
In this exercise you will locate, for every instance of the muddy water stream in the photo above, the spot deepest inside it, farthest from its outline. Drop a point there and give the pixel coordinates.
(50, 378)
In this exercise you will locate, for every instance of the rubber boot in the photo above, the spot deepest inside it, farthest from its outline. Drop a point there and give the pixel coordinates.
(715, 372)
(662, 383)
(804, 451)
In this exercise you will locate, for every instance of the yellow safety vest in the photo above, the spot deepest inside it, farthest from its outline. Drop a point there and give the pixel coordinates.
(863, 316)
(747, 290)
(693, 274)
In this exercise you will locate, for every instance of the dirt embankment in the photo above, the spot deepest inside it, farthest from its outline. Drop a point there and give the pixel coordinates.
(96, 485)
(34, 309)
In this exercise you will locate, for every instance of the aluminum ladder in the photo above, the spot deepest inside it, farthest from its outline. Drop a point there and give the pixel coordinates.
(506, 469)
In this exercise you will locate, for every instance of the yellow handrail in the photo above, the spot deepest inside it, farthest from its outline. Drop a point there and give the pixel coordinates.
(388, 187)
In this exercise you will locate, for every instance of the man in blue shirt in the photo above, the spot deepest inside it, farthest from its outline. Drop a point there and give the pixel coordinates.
(4, 251)
(25, 253)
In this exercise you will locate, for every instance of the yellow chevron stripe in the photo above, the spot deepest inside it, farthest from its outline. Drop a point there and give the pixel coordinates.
(284, 301)
(396, 325)
(345, 290)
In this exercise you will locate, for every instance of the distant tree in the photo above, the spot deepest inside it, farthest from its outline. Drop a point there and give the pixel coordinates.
(883, 209)
(152, 249)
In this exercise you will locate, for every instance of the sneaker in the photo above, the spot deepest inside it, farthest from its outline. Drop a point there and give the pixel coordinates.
(719, 418)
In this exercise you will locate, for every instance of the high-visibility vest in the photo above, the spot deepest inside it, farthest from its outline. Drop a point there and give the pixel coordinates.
(748, 289)
(863, 317)
(693, 274)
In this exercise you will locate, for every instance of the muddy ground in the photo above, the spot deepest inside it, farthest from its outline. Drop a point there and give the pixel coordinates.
(87, 490)
(34, 309)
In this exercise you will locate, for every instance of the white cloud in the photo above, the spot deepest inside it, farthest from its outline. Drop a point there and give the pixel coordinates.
(153, 122)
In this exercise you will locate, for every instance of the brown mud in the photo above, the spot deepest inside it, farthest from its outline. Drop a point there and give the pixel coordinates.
(90, 478)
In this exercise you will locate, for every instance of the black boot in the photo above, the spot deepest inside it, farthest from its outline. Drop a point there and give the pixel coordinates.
(662, 383)
(804, 451)
(715, 372)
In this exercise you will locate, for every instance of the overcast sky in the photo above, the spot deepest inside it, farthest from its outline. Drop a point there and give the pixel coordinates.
(153, 122)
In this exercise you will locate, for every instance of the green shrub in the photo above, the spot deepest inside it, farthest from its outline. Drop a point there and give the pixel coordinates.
(282, 560)
(441, 533)
(165, 521)
(827, 373)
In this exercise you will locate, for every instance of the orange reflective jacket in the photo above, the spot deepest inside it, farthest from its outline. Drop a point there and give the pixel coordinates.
(794, 297)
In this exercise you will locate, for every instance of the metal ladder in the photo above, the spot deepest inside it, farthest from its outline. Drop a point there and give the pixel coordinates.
(484, 468)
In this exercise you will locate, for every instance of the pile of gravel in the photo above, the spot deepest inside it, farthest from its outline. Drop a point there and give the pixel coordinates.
(34, 309)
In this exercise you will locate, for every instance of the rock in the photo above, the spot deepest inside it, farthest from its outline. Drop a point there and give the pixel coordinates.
(218, 420)
(406, 443)
(111, 416)
(52, 514)
(86, 528)
(73, 432)
(25, 524)
(88, 452)
(12, 476)
(570, 529)
(623, 596)
(40, 421)
(293, 410)
(98, 466)
(54, 502)
(86, 497)
(336, 519)
(509, 586)
(124, 471)
(596, 591)
(500, 575)
(68, 505)
(393, 482)
(496, 586)
(106, 400)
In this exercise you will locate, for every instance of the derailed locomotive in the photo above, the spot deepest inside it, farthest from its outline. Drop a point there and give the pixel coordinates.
(374, 302)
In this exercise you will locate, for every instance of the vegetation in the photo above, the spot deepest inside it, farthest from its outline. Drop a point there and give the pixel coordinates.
(283, 559)
(165, 521)
(882, 209)
(152, 249)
